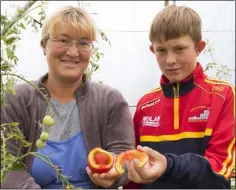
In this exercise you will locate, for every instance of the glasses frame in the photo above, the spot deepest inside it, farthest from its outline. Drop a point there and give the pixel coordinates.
(71, 44)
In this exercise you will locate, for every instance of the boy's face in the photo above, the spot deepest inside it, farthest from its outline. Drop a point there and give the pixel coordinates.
(177, 57)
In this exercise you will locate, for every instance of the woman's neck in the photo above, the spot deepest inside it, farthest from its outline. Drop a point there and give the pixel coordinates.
(62, 92)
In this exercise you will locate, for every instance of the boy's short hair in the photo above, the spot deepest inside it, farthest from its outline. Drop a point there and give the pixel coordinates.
(67, 17)
(175, 21)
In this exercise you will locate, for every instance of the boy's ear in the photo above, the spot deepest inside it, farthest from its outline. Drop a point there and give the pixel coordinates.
(200, 46)
(152, 49)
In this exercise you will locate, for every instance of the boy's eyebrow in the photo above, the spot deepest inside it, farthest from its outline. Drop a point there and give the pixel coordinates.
(176, 45)
(160, 47)
(180, 45)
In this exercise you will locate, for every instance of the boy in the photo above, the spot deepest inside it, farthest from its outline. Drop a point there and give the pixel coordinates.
(187, 125)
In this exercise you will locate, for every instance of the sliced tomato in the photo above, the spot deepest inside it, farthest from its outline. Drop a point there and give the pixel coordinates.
(130, 155)
(100, 161)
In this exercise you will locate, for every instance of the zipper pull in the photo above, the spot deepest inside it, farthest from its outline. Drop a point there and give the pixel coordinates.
(176, 90)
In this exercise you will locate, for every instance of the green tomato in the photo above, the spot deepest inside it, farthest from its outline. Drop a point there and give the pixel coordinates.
(48, 121)
(40, 143)
(44, 136)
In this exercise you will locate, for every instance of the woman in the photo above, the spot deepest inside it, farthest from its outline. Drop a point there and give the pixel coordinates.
(86, 114)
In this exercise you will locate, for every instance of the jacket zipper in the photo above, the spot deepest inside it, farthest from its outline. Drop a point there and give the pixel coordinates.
(176, 106)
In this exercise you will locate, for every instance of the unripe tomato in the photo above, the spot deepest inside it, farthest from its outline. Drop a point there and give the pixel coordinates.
(40, 143)
(44, 136)
(48, 121)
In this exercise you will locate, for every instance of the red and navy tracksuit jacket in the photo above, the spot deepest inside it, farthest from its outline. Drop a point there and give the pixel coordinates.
(192, 123)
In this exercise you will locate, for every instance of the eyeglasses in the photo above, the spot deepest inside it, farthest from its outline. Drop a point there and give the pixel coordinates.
(82, 45)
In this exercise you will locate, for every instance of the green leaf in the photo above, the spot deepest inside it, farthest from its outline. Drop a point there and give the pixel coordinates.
(97, 56)
(18, 166)
(12, 31)
(9, 158)
(42, 18)
(102, 34)
(96, 67)
(20, 11)
(15, 61)
(5, 66)
(3, 18)
(11, 40)
(22, 25)
(25, 143)
(14, 124)
(41, 13)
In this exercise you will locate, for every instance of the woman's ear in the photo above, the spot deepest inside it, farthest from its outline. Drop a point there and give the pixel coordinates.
(43, 45)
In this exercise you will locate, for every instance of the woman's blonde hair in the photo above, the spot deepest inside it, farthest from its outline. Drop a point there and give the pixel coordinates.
(70, 16)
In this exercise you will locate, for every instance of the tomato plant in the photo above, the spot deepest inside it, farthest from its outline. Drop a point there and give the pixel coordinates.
(11, 28)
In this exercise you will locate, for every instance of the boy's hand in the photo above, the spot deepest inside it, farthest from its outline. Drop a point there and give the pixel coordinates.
(151, 171)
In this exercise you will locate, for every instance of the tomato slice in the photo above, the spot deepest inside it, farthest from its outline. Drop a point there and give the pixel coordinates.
(100, 161)
(130, 155)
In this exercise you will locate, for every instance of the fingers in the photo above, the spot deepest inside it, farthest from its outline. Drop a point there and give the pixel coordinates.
(110, 175)
(140, 148)
(154, 168)
(103, 179)
(92, 176)
(153, 155)
(147, 172)
(139, 176)
(133, 175)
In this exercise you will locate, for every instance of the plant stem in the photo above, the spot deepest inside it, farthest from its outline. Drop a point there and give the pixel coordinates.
(22, 78)
(17, 17)
(46, 160)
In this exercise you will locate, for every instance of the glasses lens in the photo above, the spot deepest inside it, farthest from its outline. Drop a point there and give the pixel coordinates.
(64, 43)
(84, 46)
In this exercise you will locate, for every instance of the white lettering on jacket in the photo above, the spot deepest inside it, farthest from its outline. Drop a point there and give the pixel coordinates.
(151, 121)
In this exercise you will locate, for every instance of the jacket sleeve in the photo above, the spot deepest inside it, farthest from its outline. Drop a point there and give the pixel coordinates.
(215, 168)
(120, 132)
(12, 113)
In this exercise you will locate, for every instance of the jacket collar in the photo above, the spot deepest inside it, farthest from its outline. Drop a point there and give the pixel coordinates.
(183, 86)
(81, 92)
